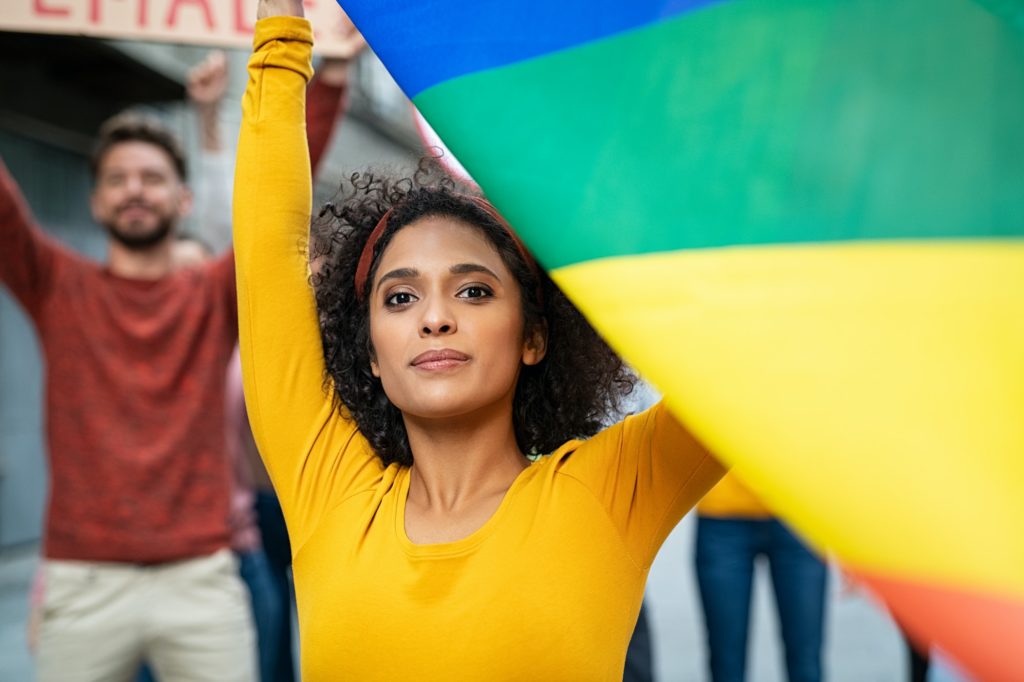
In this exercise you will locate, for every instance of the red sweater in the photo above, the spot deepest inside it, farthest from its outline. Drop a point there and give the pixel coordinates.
(135, 386)
(135, 376)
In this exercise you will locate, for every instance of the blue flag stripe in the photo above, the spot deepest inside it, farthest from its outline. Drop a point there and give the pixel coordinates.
(426, 43)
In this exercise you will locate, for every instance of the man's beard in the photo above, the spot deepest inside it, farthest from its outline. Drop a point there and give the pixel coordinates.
(140, 241)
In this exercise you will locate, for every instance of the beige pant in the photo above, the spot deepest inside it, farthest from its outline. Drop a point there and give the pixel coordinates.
(189, 620)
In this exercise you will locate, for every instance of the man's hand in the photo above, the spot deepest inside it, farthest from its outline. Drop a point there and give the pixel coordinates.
(351, 41)
(207, 82)
(334, 70)
(279, 8)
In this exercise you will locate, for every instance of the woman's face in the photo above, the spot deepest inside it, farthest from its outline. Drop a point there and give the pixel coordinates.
(446, 322)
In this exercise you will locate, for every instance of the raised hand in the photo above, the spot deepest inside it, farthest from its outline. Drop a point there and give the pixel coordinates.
(334, 69)
(352, 41)
(208, 80)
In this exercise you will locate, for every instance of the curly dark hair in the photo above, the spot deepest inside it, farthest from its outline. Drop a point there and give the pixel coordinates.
(569, 394)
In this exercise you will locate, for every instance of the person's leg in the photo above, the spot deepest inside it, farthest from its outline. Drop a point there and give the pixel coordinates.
(639, 658)
(266, 609)
(918, 660)
(90, 624)
(145, 675)
(724, 558)
(279, 555)
(799, 578)
(200, 625)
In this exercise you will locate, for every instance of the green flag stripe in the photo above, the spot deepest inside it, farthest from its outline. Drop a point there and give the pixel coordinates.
(754, 122)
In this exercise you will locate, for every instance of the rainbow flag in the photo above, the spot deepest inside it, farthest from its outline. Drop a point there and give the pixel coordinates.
(803, 220)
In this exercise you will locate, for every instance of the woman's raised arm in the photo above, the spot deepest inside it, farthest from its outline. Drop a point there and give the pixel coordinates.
(294, 421)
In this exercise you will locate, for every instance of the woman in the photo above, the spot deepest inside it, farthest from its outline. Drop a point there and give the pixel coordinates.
(426, 544)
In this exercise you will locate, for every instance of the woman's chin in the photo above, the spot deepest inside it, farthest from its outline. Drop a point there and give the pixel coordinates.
(449, 408)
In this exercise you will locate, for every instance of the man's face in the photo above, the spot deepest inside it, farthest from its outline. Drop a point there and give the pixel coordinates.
(138, 196)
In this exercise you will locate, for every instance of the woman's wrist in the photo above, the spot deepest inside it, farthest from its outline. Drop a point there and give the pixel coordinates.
(279, 8)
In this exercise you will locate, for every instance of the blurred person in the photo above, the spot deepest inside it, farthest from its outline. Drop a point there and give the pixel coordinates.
(206, 86)
(640, 651)
(140, 197)
(733, 529)
(137, 564)
(427, 543)
(190, 252)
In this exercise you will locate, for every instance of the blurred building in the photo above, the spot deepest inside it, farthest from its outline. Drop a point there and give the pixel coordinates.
(55, 91)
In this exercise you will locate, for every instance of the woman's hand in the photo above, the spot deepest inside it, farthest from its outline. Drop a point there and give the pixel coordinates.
(279, 8)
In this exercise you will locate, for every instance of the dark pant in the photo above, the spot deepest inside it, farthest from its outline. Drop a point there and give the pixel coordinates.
(917, 658)
(267, 610)
(639, 658)
(279, 557)
(725, 554)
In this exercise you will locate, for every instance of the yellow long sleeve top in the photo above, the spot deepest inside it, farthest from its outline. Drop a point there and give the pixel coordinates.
(548, 589)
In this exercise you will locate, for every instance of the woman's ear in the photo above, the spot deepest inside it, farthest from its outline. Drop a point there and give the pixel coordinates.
(535, 347)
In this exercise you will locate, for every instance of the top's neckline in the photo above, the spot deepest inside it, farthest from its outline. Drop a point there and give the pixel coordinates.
(462, 545)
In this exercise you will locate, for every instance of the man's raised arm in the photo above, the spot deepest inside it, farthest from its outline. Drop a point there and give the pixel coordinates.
(27, 255)
(207, 83)
(328, 93)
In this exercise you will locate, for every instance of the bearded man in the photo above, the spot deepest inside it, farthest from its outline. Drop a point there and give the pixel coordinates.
(137, 559)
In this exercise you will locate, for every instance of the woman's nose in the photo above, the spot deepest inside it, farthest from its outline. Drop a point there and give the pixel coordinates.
(442, 329)
(437, 319)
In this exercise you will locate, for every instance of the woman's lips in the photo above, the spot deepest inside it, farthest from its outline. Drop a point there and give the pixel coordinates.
(445, 358)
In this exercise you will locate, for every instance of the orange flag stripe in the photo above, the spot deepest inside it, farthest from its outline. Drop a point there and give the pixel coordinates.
(987, 630)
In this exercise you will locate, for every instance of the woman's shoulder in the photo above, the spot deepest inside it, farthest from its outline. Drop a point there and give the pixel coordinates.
(630, 431)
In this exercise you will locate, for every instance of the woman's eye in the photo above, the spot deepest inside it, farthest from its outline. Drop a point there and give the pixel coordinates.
(398, 298)
(475, 292)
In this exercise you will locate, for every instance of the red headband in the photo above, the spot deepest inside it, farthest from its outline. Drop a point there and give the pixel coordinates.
(366, 258)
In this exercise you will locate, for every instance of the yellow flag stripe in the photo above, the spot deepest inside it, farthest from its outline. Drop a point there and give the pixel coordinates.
(872, 393)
